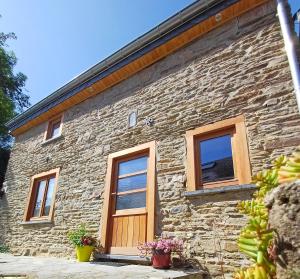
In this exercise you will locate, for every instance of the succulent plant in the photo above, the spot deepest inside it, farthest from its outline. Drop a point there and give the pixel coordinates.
(291, 169)
(256, 239)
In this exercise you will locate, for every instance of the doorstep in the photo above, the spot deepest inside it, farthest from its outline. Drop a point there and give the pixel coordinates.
(123, 259)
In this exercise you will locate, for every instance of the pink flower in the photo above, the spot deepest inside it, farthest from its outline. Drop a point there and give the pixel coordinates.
(162, 245)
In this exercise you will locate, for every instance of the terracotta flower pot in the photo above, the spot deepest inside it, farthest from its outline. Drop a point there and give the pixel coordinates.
(84, 253)
(161, 260)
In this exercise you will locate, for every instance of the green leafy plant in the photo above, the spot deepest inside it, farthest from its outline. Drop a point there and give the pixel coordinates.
(4, 248)
(81, 238)
(256, 238)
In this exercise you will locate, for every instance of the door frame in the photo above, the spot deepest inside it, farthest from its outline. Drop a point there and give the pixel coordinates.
(148, 148)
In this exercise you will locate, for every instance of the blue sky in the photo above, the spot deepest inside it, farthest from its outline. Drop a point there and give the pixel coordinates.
(57, 40)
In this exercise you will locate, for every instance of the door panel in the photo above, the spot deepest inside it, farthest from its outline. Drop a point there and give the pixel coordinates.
(129, 202)
(129, 209)
(127, 233)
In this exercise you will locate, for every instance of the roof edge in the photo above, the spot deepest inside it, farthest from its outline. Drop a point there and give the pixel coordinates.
(173, 22)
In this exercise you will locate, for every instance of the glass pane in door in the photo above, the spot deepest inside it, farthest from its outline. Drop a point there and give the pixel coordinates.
(134, 200)
(133, 166)
(132, 182)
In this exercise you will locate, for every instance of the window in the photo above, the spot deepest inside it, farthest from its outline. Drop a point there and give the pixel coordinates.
(54, 128)
(217, 155)
(41, 197)
(132, 119)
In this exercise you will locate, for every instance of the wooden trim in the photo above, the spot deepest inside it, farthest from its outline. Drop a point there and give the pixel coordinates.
(129, 192)
(32, 193)
(39, 218)
(191, 163)
(113, 160)
(214, 127)
(221, 183)
(49, 127)
(132, 174)
(106, 206)
(151, 192)
(132, 211)
(129, 154)
(242, 170)
(242, 154)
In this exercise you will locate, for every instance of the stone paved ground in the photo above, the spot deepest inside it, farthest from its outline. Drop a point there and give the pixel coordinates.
(46, 268)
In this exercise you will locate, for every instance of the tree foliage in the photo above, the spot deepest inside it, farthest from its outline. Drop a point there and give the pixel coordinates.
(12, 97)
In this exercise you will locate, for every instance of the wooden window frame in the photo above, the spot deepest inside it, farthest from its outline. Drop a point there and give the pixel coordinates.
(113, 160)
(33, 192)
(50, 124)
(240, 155)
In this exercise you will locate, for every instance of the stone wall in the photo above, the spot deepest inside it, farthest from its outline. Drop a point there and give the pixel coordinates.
(284, 217)
(239, 68)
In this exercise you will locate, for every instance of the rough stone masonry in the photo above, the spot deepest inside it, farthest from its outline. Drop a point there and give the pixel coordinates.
(284, 205)
(238, 68)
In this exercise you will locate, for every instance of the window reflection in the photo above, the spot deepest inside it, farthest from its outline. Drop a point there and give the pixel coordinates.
(216, 159)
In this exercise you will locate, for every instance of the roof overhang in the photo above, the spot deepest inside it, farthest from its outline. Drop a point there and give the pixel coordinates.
(174, 33)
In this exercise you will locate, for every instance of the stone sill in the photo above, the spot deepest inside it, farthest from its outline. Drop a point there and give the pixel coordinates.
(225, 189)
(39, 222)
(52, 140)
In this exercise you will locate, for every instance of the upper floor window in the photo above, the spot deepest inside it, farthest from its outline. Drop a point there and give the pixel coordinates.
(217, 155)
(41, 197)
(54, 128)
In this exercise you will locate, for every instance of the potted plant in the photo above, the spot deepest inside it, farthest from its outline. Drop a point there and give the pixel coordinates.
(83, 242)
(161, 250)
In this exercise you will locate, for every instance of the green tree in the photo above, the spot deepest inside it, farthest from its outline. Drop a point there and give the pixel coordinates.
(12, 97)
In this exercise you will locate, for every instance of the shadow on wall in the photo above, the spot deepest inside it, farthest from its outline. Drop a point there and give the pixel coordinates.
(4, 206)
(4, 157)
(223, 197)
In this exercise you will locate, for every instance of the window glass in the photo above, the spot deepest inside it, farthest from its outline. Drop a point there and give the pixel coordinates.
(132, 182)
(55, 129)
(216, 159)
(134, 200)
(134, 165)
(49, 196)
(132, 119)
(39, 199)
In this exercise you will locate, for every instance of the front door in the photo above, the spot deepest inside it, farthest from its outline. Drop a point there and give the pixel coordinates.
(130, 218)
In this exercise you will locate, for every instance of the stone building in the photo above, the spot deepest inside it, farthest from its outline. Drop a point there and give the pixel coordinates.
(124, 146)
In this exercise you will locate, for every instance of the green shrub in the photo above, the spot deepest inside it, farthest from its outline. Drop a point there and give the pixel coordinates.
(80, 237)
(4, 248)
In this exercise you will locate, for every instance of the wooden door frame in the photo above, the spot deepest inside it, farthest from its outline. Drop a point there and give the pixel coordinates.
(148, 148)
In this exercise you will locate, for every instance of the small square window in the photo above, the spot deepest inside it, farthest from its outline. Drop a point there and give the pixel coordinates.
(217, 155)
(41, 196)
(54, 128)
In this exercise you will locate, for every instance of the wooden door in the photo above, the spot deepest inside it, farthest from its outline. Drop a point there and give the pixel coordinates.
(130, 218)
